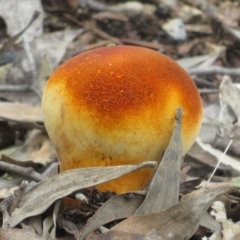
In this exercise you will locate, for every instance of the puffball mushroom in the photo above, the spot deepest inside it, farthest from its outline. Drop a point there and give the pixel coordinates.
(116, 106)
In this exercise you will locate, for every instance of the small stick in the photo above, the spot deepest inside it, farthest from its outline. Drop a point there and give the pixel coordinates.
(215, 70)
(154, 46)
(15, 88)
(208, 91)
(96, 31)
(26, 172)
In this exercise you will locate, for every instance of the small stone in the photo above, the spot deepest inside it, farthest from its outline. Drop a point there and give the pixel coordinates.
(175, 28)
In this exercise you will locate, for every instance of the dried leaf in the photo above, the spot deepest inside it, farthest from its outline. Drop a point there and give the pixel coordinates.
(38, 149)
(20, 16)
(55, 215)
(21, 113)
(209, 222)
(118, 235)
(227, 160)
(181, 220)
(18, 234)
(229, 229)
(43, 194)
(7, 51)
(70, 227)
(192, 62)
(45, 72)
(160, 195)
(126, 206)
(189, 185)
(235, 32)
(8, 186)
(49, 223)
(55, 44)
(47, 226)
(36, 223)
(27, 226)
(230, 94)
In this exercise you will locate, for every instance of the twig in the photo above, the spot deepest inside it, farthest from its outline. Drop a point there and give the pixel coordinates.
(154, 46)
(219, 161)
(215, 70)
(204, 83)
(26, 172)
(15, 88)
(208, 91)
(96, 31)
(97, 45)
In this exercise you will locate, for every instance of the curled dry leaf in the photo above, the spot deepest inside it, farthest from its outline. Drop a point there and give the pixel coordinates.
(69, 227)
(50, 223)
(181, 220)
(42, 195)
(189, 185)
(36, 223)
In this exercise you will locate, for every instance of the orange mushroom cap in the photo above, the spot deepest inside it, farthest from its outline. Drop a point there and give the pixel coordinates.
(116, 106)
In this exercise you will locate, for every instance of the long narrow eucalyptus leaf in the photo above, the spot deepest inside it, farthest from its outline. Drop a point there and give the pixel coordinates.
(42, 195)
